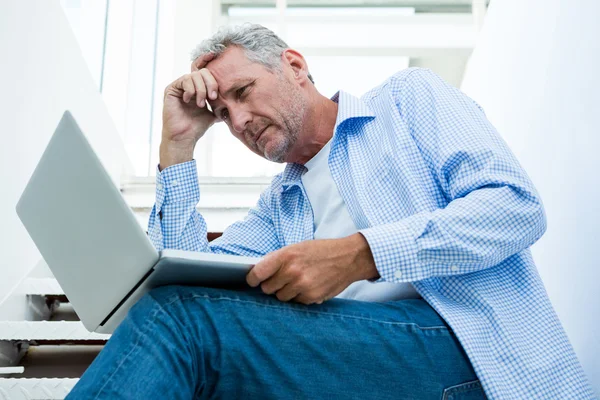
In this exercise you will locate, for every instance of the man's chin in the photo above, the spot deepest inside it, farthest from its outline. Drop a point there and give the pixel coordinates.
(276, 149)
(275, 156)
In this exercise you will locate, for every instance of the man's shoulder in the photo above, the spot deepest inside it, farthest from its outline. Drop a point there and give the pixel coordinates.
(275, 186)
(404, 79)
(408, 74)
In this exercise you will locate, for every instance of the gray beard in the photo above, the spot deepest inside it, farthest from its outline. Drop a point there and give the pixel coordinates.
(295, 108)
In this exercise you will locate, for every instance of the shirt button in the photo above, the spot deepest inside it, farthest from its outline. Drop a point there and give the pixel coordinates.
(398, 274)
(159, 186)
(454, 268)
(174, 183)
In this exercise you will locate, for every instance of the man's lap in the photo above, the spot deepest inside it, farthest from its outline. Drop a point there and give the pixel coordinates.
(245, 344)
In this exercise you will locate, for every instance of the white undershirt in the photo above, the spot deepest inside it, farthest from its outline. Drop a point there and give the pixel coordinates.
(332, 221)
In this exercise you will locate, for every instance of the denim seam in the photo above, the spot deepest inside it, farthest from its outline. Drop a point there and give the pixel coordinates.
(461, 388)
(143, 329)
(180, 298)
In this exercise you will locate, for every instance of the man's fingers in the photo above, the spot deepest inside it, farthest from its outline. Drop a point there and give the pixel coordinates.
(196, 84)
(211, 84)
(188, 88)
(200, 89)
(264, 269)
(302, 299)
(287, 293)
(201, 61)
(307, 299)
(276, 281)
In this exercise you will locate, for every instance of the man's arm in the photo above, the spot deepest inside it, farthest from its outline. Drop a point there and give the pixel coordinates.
(493, 211)
(175, 224)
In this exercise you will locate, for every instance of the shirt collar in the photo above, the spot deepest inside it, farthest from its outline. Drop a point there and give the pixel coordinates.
(349, 107)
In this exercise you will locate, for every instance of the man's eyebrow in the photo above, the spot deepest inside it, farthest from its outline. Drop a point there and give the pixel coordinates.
(237, 86)
(233, 88)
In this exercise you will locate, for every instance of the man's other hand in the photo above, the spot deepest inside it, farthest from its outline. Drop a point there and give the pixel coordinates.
(315, 270)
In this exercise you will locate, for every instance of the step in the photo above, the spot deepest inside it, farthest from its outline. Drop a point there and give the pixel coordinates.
(48, 331)
(57, 361)
(43, 388)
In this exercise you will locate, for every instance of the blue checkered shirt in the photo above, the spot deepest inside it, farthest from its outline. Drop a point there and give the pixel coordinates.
(442, 202)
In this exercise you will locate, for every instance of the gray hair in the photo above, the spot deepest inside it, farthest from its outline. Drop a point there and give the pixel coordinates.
(260, 44)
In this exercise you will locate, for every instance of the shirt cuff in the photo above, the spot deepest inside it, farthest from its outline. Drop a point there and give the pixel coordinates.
(176, 183)
(395, 252)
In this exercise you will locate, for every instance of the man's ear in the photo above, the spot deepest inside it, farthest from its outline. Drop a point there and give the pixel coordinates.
(296, 62)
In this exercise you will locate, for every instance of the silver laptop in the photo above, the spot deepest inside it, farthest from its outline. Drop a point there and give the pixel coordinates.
(92, 242)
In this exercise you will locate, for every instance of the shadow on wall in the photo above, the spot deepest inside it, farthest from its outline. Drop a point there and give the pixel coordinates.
(535, 72)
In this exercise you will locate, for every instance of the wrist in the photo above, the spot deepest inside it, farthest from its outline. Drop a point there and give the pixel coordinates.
(174, 153)
(363, 257)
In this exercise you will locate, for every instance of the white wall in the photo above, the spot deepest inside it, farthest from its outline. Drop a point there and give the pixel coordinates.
(42, 73)
(535, 71)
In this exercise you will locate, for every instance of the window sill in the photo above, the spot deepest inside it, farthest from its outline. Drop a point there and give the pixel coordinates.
(215, 192)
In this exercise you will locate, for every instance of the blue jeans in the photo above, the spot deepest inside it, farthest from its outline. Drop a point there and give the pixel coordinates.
(181, 342)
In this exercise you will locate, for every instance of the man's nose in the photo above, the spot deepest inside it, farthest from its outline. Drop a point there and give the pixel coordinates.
(239, 119)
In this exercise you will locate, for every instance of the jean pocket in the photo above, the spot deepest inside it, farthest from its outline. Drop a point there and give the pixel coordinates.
(471, 390)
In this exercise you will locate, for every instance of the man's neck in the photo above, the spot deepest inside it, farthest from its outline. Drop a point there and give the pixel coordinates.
(320, 131)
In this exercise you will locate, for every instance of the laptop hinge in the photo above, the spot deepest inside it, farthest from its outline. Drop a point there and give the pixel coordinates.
(114, 310)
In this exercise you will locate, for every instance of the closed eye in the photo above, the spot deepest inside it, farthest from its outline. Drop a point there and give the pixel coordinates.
(223, 114)
(240, 91)
(244, 90)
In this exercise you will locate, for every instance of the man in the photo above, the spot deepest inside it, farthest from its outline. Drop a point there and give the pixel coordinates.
(406, 199)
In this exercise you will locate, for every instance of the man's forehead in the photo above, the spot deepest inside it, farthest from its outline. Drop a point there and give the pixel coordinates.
(230, 80)
(228, 72)
(231, 61)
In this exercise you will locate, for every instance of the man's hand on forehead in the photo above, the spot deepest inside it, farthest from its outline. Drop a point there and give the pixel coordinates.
(198, 67)
(201, 61)
(185, 121)
(199, 83)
